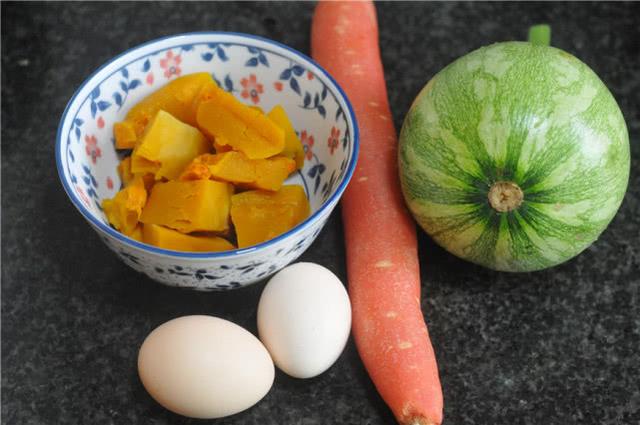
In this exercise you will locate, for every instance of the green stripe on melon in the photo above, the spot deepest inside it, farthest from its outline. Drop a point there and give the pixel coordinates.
(515, 157)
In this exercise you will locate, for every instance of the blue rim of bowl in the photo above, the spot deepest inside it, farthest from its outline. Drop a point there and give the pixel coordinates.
(210, 255)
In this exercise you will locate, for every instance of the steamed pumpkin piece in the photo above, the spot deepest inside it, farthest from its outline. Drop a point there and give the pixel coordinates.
(124, 210)
(292, 146)
(232, 167)
(124, 171)
(167, 147)
(272, 172)
(189, 206)
(126, 176)
(148, 179)
(198, 169)
(232, 123)
(136, 233)
(177, 98)
(235, 167)
(260, 215)
(166, 238)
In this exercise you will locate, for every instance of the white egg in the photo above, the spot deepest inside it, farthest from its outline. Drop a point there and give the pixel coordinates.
(204, 367)
(304, 319)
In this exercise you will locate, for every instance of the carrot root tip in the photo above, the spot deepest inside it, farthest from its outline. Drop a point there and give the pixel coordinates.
(420, 421)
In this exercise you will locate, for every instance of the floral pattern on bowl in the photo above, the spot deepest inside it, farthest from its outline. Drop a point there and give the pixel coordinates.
(258, 72)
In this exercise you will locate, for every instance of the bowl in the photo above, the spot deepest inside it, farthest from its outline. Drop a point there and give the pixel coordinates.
(257, 71)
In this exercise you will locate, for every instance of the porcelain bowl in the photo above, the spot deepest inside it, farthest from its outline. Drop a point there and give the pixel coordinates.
(257, 71)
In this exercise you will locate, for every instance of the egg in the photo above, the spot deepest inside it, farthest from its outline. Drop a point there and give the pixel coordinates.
(304, 319)
(204, 367)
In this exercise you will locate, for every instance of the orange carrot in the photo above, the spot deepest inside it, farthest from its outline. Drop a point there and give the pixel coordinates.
(380, 236)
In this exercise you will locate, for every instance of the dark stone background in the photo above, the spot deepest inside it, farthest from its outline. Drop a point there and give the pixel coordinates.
(555, 347)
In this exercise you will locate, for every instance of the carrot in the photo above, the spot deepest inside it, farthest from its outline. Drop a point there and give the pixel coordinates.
(380, 236)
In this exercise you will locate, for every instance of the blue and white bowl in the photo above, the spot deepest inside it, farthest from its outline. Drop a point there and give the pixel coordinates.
(257, 71)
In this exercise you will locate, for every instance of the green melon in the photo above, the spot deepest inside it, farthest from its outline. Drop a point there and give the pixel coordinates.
(515, 157)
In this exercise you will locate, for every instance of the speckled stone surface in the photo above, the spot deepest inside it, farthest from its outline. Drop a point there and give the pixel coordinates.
(555, 347)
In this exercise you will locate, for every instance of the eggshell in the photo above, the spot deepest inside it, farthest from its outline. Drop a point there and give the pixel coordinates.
(304, 319)
(204, 367)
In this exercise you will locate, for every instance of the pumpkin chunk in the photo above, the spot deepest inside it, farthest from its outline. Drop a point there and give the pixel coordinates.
(235, 167)
(166, 238)
(232, 167)
(124, 171)
(255, 118)
(148, 179)
(260, 215)
(292, 146)
(197, 170)
(245, 129)
(167, 147)
(123, 211)
(125, 134)
(126, 176)
(272, 172)
(189, 206)
(136, 233)
(176, 98)
(207, 92)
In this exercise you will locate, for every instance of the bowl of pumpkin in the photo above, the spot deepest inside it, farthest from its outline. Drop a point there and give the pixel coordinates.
(207, 160)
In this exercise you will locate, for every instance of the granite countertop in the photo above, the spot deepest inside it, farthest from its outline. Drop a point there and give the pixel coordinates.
(557, 347)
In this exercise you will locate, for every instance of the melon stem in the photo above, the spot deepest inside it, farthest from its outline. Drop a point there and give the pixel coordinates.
(505, 196)
(540, 35)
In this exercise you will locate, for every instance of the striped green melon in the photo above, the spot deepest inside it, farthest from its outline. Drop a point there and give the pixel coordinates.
(515, 157)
